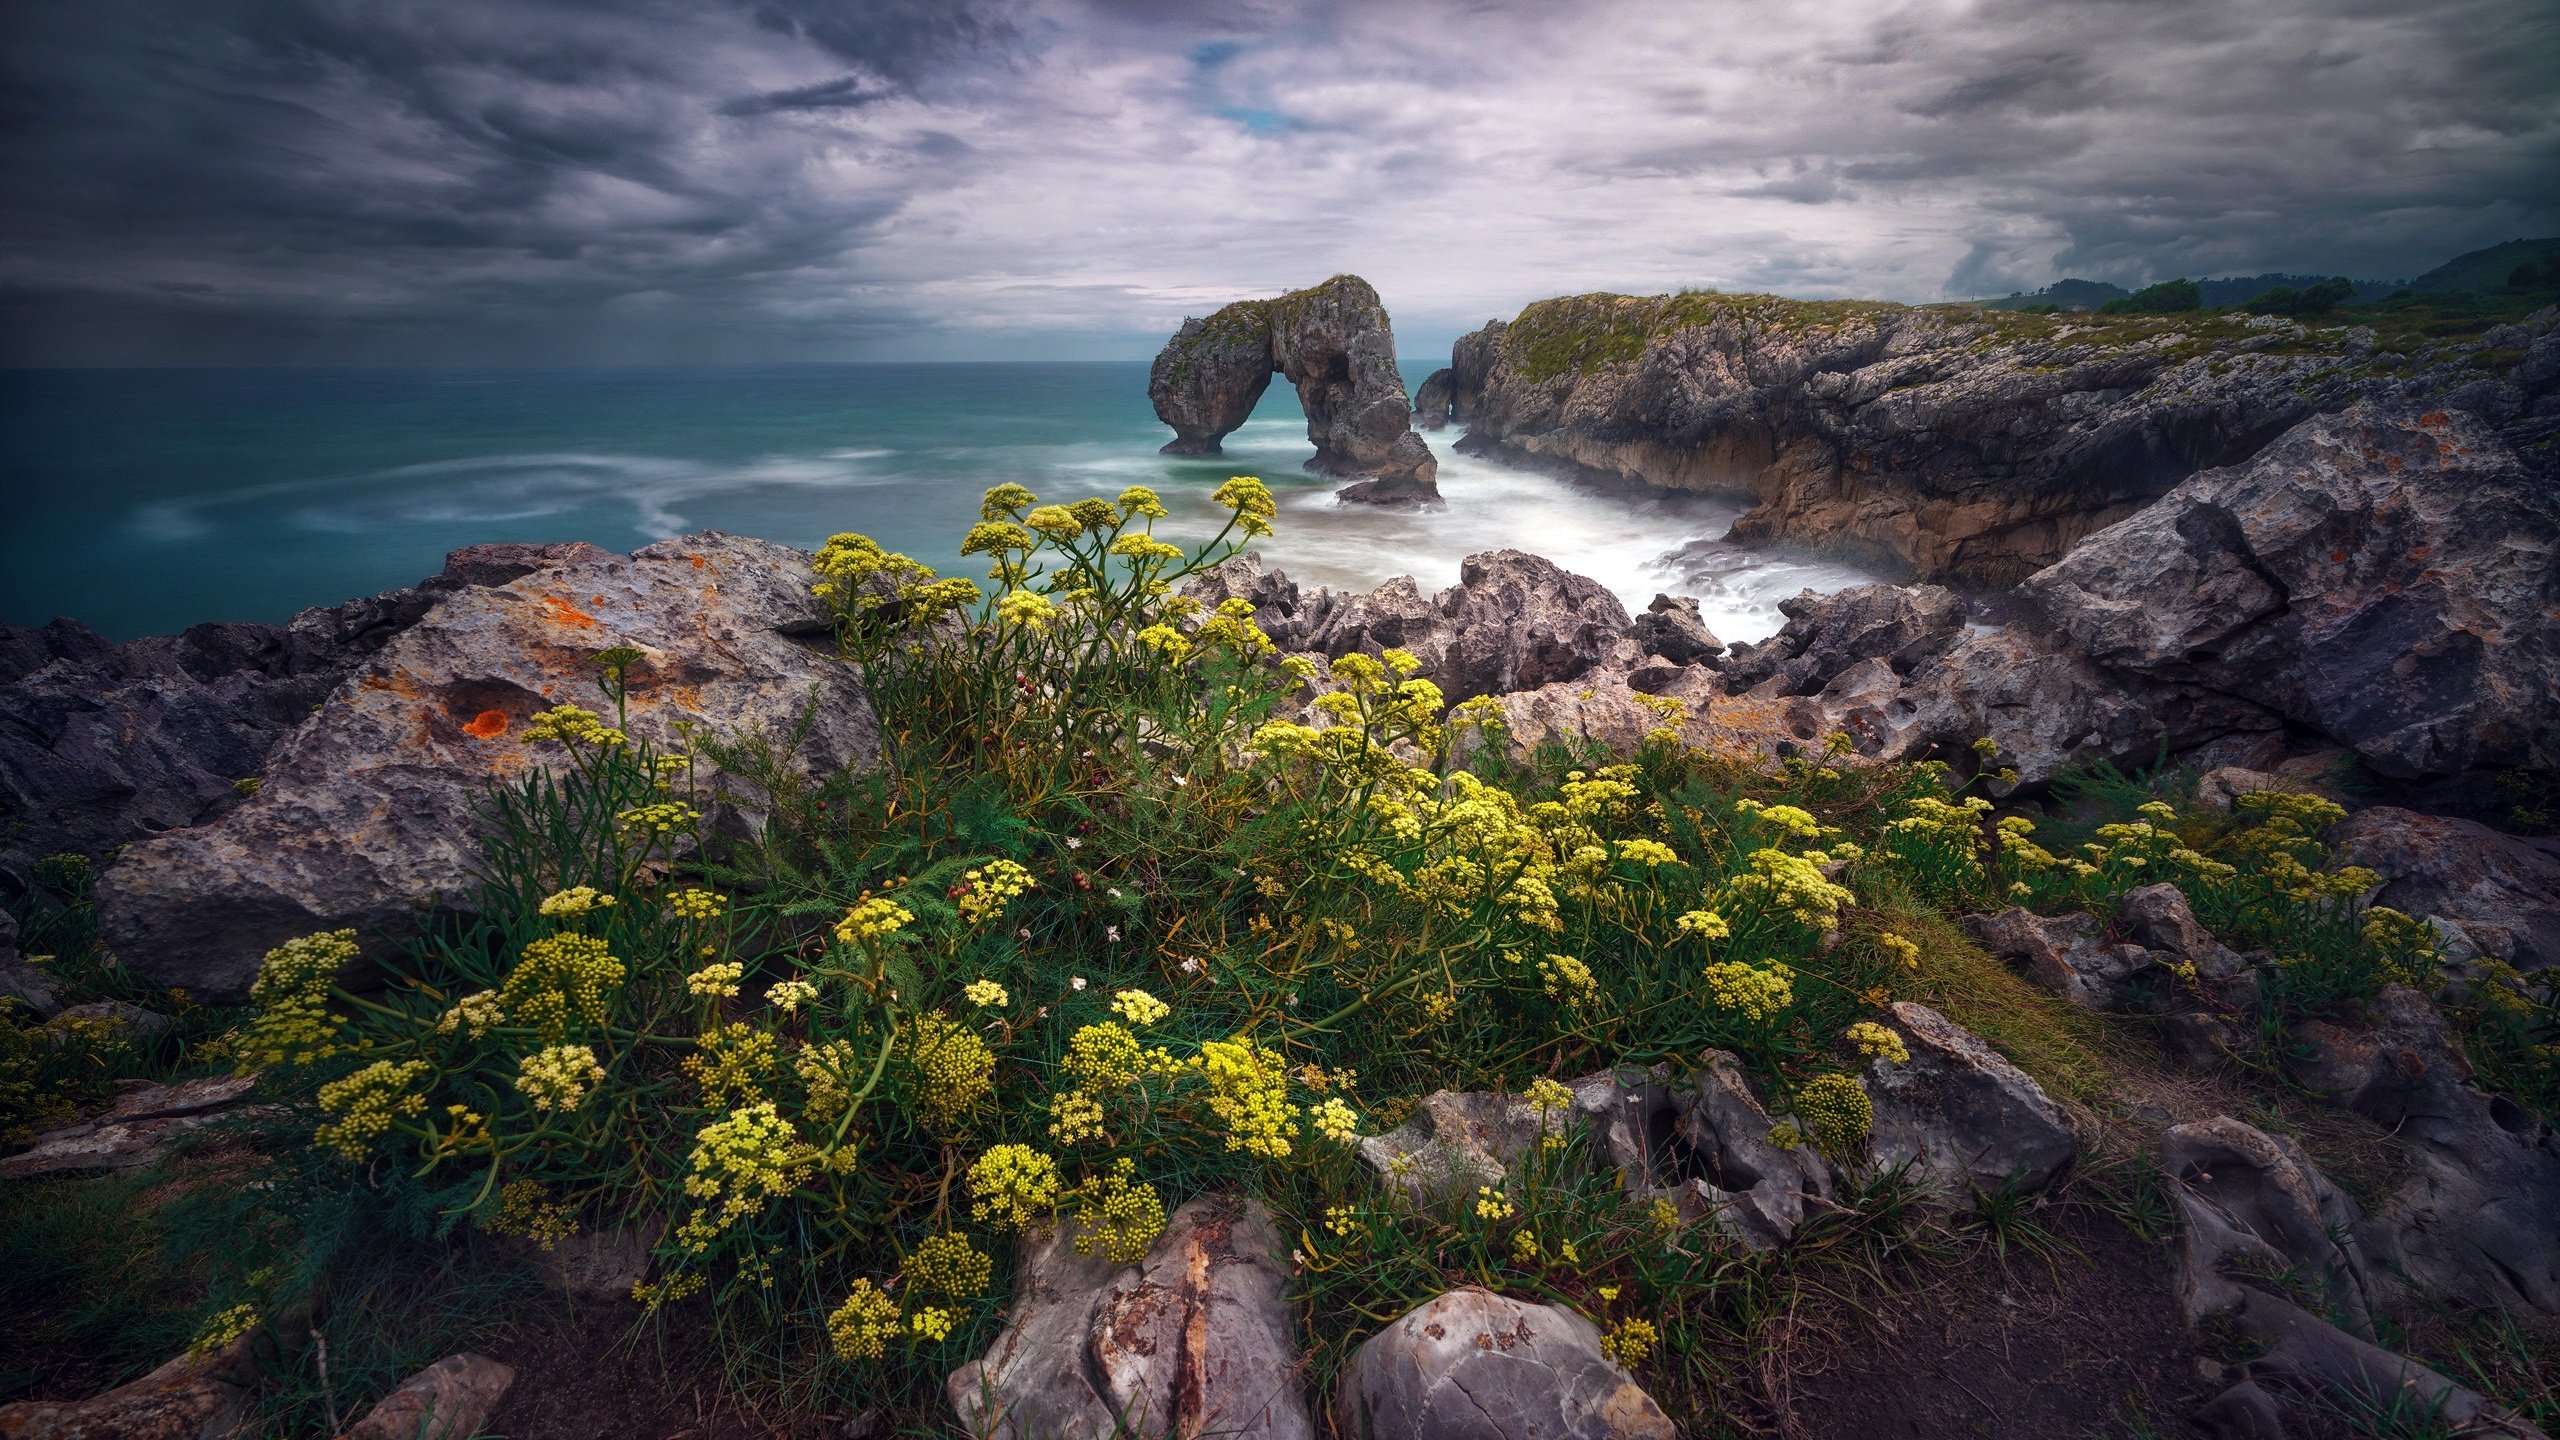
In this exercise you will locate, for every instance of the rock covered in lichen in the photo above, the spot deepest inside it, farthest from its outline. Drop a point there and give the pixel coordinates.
(1473, 1365)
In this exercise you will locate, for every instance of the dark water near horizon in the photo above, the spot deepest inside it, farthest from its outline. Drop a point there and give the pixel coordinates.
(143, 501)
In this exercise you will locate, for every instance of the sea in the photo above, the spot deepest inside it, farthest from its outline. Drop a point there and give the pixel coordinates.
(143, 501)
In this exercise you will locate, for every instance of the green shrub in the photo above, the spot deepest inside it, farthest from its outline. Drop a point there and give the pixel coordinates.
(2169, 297)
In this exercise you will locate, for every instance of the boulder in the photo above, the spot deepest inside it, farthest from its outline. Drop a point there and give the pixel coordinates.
(2476, 1221)
(1456, 1141)
(1334, 343)
(2256, 1201)
(1196, 1338)
(1473, 1365)
(1431, 402)
(1755, 1191)
(600, 1267)
(449, 1400)
(131, 1022)
(2070, 956)
(2388, 576)
(369, 817)
(1968, 1121)
(2503, 890)
(1904, 626)
(1519, 621)
(139, 1128)
(1672, 628)
(104, 744)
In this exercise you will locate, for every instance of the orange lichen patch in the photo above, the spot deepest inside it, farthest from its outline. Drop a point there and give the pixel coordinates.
(487, 725)
(396, 684)
(568, 614)
(697, 561)
(2435, 418)
(2337, 557)
(596, 600)
(2422, 552)
(2393, 462)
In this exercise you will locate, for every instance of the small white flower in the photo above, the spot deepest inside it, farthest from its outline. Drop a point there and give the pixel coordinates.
(1111, 933)
(1191, 966)
(1181, 779)
(1075, 982)
(1113, 892)
(1074, 844)
(1023, 934)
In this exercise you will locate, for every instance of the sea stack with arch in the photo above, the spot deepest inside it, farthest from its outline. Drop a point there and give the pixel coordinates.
(1333, 342)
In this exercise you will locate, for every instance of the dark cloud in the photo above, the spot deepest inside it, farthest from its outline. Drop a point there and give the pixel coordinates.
(315, 180)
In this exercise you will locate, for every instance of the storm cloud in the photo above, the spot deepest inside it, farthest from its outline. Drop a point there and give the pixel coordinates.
(291, 181)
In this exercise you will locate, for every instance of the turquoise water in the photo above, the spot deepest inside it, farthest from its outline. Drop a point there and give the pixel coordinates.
(144, 501)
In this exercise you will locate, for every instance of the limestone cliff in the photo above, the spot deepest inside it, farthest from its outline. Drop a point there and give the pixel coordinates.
(1334, 343)
(1949, 443)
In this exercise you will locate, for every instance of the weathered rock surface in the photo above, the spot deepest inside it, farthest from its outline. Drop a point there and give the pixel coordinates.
(369, 815)
(2479, 1220)
(1431, 402)
(1826, 634)
(138, 1128)
(1754, 1190)
(449, 1400)
(194, 1397)
(2165, 963)
(1473, 1365)
(1456, 1141)
(1195, 1339)
(1672, 628)
(2504, 890)
(2256, 1208)
(1334, 343)
(1513, 622)
(2388, 576)
(600, 1267)
(1969, 1121)
(101, 744)
(1961, 446)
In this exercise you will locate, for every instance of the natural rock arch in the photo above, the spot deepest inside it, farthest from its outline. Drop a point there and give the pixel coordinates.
(1334, 343)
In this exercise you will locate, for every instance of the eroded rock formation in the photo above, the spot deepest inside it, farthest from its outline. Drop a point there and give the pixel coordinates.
(1963, 446)
(369, 814)
(1331, 341)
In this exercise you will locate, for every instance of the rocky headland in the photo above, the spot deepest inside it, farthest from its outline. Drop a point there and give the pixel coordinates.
(1952, 444)
(1334, 343)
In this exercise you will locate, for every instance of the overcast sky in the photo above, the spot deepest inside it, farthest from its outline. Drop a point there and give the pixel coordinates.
(306, 181)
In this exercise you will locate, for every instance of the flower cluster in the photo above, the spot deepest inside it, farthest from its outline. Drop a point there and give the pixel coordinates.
(1335, 1120)
(1837, 1108)
(363, 1105)
(665, 817)
(557, 1077)
(1249, 1093)
(561, 978)
(740, 1163)
(1878, 1043)
(1789, 886)
(526, 1210)
(1629, 1342)
(954, 1071)
(473, 1015)
(575, 901)
(789, 995)
(1139, 1008)
(290, 1023)
(696, 904)
(861, 1328)
(986, 994)
(1566, 980)
(873, 918)
(570, 725)
(986, 890)
(947, 1264)
(1012, 1186)
(716, 981)
(1117, 1214)
(1757, 991)
(732, 1059)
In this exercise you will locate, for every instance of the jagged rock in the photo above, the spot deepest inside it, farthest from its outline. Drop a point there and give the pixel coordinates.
(1196, 1338)
(103, 744)
(449, 1400)
(26, 983)
(1456, 1141)
(368, 818)
(2158, 918)
(193, 1397)
(1519, 621)
(2219, 790)
(2254, 1200)
(2070, 956)
(2477, 1221)
(1941, 442)
(1969, 1121)
(1472, 1365)
(1756, 1191)
(1672, 628)
(138, 1128)
(1431, 402)
(2504, 890)
(1395, 616)
(1903, 626)
(2389, 576)
(1335, 344)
